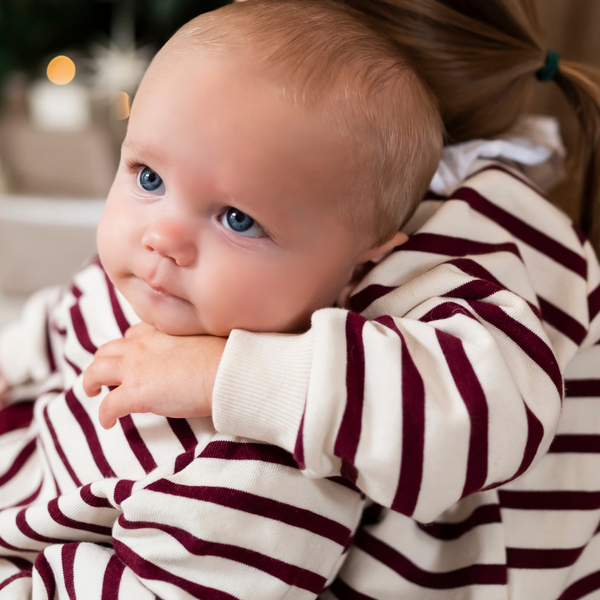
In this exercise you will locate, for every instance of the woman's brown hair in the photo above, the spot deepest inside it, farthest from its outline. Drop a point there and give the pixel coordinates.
(480, 58)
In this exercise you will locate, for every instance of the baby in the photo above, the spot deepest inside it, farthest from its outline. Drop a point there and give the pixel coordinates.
(273, 148)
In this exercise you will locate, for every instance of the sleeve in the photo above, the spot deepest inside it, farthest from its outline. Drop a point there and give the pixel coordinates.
(238, 521)
(25, 354)
(440, 382)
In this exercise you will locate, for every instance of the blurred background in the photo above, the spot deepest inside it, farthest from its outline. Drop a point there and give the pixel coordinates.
(68, 72)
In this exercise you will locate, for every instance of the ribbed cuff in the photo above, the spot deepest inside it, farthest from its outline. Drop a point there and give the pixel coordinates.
(261, 385)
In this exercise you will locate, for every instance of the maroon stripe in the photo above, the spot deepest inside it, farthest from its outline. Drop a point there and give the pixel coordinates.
(112, 578)
(18, 463)
(30, 498)
(123, 490)
(288, 573)
(530, 343)
(535, 434)
(586, 585)
(594, 303)
(257, 505)
(582, 388)
(482, 515)
(25, 529)
(85, 422)
(562, 321)
(468, 386)
(120, 318)
(91, 500)
(20, 563)
(361, 300)
(413, 429)
(249, 451)
(49, 353)
(42, 566)
(430, 195)
(183, 460)
(58, 516)
(73, 366)
(467, 576)
(16, 576)
(470, 267)
(479, 290)
(136, 443)
(343, 591)
(68, 567)
(348, 436)
(549, 500)
(579, 444)
(531, 236)
(474, 290)
(453, 246)
(446, 310)
(299, 446)
(537, 558)
(512, 174)
(54, 327)
(147, 570)
(80, 328)
(5, 544)
(59, 449)
(185, 434)
(16, 416)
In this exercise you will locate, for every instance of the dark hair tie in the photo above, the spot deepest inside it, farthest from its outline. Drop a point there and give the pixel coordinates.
(550, 69)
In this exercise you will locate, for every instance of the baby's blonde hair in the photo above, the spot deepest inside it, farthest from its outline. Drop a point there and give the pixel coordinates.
(323, 55)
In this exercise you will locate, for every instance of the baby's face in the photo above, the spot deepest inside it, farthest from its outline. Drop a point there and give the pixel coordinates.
(224, 211)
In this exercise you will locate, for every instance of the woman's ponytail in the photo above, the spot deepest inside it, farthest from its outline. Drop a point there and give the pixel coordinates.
(481, 59)
(581, 86)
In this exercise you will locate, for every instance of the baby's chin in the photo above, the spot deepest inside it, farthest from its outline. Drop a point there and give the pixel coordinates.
(169, 326)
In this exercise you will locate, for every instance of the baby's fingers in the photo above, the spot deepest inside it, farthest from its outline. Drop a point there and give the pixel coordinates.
(112, 348)
(116, 404)
(105, 370)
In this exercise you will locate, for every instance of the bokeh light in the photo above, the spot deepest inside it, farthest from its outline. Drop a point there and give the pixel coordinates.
(121, 106)
(61, 70)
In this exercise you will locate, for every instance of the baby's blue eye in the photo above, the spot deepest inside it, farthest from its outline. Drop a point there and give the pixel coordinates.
(150, 181)
(241, 223)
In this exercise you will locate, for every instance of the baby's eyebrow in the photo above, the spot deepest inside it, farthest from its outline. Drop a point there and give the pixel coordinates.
(141, 148)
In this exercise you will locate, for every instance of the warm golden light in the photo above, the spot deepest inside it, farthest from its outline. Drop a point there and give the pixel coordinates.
(121, 106)
(61, 70)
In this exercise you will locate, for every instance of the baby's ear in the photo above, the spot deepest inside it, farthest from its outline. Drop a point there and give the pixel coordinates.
(377, 253)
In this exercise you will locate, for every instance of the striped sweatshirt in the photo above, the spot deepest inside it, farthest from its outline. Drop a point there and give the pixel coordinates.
(440, 395)
(155, 507)
(437, 392)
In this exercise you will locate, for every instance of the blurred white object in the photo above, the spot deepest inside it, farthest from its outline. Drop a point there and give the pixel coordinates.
(43, 241)
(534, 144)
(59, 107)
(118, 69)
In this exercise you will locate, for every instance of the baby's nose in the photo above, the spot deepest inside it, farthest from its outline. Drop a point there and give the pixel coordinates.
(170, 240)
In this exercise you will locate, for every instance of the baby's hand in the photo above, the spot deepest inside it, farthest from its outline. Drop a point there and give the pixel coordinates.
(166, 375)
